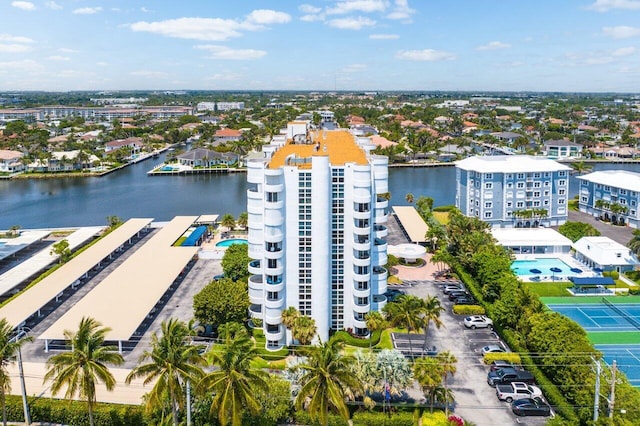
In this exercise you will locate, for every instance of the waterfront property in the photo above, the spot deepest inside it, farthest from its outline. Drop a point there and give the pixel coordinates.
(611, 195)
(513, 191)
(10, 161)
(563, 149)
(203, 157)
(604, 254)
(316, 231)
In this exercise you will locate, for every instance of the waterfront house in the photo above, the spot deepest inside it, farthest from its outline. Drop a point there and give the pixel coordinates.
(561, 149)
(10, 161)
(508, 191)
(611, 195)
(605, 254)
(316, 232)
(507, 137)
(63, 161)
(134, 143)
(227, 135)
(202, 157)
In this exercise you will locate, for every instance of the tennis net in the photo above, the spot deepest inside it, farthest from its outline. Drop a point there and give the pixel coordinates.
(623, 314)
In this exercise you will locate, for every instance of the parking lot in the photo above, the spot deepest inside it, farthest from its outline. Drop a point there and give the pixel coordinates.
(475, 400)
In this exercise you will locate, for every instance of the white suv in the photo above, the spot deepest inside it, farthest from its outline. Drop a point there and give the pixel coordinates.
(478, 321)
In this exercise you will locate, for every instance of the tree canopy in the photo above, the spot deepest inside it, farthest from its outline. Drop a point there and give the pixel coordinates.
(221, 301)
(576, 230)
(235, 262)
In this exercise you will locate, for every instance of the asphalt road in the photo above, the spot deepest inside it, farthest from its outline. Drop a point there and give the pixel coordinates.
(621, 234)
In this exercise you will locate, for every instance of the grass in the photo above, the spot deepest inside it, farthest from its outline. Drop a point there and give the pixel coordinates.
(634, 276)
(614, 337)
(394, 280)
(442, 217)
(555, 289)
(385, 338)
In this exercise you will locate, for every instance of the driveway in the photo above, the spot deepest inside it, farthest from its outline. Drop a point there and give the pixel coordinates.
(621, 234)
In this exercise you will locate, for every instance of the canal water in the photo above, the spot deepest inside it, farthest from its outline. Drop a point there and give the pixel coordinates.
(39, 203)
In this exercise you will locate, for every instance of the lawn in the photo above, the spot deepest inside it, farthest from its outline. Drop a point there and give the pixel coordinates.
(555, 289)
(442, 217)
(633, 276)
(385, 338)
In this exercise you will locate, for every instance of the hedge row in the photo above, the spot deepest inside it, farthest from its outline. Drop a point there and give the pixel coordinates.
(468, 310)
(368, 418)
(74, 412)
(512, 357)
(348, 339)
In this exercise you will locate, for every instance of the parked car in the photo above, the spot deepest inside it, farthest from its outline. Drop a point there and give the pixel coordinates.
(393, 294)
(478, 321)
(455, 294)
(530, 407)
(492, 348)
(464, 300)
(508, 375)
(500, 363)
(517, 390)
(218, 277)
(452, 287)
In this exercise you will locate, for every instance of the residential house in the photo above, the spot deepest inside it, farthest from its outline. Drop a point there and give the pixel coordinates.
(604, 254)
(134, 143)
(202, 157)
(561, 149)
(227, 135)
(612, 195)
(10, 161)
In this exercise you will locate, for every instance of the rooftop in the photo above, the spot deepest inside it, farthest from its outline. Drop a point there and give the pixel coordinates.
(510, 237)
(510, 164)
(615, 178)
(339, 145)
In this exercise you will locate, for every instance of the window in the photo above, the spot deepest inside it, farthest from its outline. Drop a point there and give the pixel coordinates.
(546, 184)
(536, 184)
(272, 197)
(536, 194)
(623, 192)
(488, 185)
(509, 185)
(561, 191)
(520, 185)
(520, 175)
(562, 173)
(536, 175)
(487, 215)
(584, 199)
(509, 204)
(536, 204)
(561, 201)
(488, 205)
(520, 204)
(488, 176)
(510, 194)
(562, 182)
(546, 202)
(509, 176)
(272, 295)
(272, 263)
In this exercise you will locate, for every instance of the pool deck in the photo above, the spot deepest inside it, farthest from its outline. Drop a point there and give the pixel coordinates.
(209, 250)
(569, 260)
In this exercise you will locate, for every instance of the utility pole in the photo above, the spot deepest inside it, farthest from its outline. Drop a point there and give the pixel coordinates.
(596, 402)
(612, 399)
(25, 405)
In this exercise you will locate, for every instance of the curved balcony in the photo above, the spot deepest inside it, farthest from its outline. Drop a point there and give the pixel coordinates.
(273, 205)
(379, 302)
(275, 285)
(256, 282)
(276, 254)
(380, 259)
(361, 227)
(278, 335)
(255, 311)
(361, 215)
(361, 276)
(273, 234)
(381, 231)
(273, 172)
(255, 250)
(256, 296)
(253, 194)
(273, 187)
(363, 309)
(380, 273)
(361, 293)
(274, 303)
(278, 270)
(382, 203)
(254, 267)
(379, 287)
(361, 243)
(274, 218)
(359, 323)
(272, 316)
(255, 207)
(361, 196)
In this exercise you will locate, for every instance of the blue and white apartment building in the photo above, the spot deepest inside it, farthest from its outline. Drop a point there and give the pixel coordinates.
(513, 191)
(317, 231)
(612, 195)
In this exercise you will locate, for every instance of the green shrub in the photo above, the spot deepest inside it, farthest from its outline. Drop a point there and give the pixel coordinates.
(615, 275)
(468, 310)
(348, 339)
(302, 417)
(512, 357)
(364, 418)
(444, 208)
(260, 342)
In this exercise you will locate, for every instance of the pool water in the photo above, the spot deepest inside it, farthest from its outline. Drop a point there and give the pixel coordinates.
(231, 241)
(523, 267)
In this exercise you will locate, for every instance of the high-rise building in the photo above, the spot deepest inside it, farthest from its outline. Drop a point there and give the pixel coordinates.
(317, 215)
(516, 191)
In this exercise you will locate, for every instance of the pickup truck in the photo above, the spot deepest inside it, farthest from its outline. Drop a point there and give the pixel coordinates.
(517, 390)
(508, 375)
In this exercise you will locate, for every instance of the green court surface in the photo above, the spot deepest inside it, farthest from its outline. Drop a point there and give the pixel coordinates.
(614, 337)
(572, 300)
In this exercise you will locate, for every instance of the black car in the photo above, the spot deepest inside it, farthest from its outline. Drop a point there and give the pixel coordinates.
(464, 300)
(530, 407)
(499, 363)
(455, 294)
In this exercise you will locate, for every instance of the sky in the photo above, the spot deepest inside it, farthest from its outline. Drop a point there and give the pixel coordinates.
(360, 45)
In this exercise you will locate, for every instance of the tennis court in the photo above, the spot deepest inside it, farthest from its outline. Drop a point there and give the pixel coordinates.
(627, 360)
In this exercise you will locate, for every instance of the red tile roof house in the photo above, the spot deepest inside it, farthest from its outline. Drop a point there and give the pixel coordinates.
(135, 143)
(10, 161)
(227, 135)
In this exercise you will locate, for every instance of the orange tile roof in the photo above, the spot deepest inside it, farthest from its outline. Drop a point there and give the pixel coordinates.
(341, 148)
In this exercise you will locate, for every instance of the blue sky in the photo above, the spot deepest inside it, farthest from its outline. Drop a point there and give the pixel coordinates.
(537, 45)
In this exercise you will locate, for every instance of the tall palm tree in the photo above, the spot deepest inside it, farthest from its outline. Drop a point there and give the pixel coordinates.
(375, 321)
(580, 167)
(406, 311)
(289, 317)
(447, 363)
(432, 310)
(85, 365)
(234, 380)
(634, 243)
(428, 372)
(304, 329)
(9, 346)
(327, 381)
(172, 362)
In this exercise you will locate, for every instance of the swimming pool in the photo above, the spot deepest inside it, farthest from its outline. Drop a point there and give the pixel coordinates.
(230, 242)
(524, 268)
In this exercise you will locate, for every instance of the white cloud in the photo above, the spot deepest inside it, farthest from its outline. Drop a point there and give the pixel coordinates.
(227, 53)
(352, 23)
(26, 65)
(58, 58)
(144, 73)
(354, 68)
(366, 6)
(624, 51)
(425, 55)
(494, 45)
(145, 10)
(384, 36)
(102, 64)
(226, 76)
(24, 5)
(67, 50)
(606, 5)
(208, 29)
(268, 17)
(401, 11)
(52, 5)
(307, 8)
(87, 10)
(14, 48)
(312, 17)
(15, 39)
(621, 31)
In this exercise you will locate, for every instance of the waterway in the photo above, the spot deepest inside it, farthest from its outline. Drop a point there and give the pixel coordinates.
(39, 203)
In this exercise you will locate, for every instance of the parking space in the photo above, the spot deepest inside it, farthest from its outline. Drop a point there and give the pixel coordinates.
(476, 401)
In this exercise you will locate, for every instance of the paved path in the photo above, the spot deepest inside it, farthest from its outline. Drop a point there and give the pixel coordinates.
(621, 234)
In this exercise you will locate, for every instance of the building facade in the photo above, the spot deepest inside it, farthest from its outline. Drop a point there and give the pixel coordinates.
(516, 191)
(611, 195)
(317, 231)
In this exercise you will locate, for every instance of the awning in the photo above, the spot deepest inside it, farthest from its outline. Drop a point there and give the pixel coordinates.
(591, 281)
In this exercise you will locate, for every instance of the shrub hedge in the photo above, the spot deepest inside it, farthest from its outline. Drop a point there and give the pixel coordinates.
(74, 412)
(512, 357)
(444, 208)
(468, 310)
(348, 339)
(368, 418)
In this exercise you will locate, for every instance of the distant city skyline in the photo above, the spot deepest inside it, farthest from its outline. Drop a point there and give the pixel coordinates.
(465, 45)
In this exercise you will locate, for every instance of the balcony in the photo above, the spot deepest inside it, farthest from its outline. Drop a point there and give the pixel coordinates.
(361, 273)
(254, 267)
(272, 316)
(256, 283)
(274, 303)
(379, 219)
(361, 293)
(359, 323)
(256, 296)
(361, 242)
(362, 254)
(255, 311)
(273, 234)
(381, 231)
(275, 333)
(379, 302)
(382, 203)
(253, 194)
(361, 227)
(274, 218)
(278, 269)
(380, 273)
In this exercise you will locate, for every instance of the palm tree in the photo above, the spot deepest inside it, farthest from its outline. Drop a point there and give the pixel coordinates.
(409, 198)
(243, 220)
(9, 346)
(428, 372)
(289, 317)
(406, 311)
(375, 321)
(580, 167)
(228, 221)
(327, 381)
(234, 380)
(634, 243)
(432, 310)
(304, 329)
(447, 363)
(85, 365)
(172, 362)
